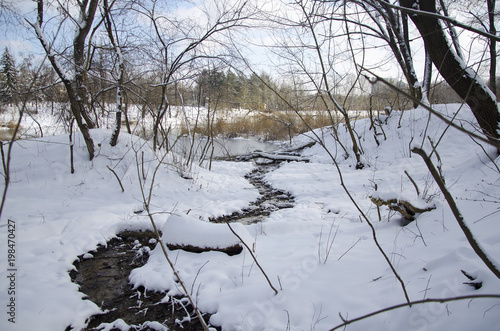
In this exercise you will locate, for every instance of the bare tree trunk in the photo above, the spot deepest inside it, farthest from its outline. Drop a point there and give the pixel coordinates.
(399, 41)
(427, 78)
(493, 46)
(75, 103)
(84, 24)
(125, 110)
(453, 32)
(121, 69)
(461, 78)
(404, 45)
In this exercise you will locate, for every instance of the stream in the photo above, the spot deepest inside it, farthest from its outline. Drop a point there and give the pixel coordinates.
(102, 275)
(270, 199)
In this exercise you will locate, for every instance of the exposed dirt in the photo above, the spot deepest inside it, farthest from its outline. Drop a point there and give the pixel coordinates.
(104, 280)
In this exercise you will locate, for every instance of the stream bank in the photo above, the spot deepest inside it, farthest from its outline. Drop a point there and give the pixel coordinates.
(270, 199)
(103, 275)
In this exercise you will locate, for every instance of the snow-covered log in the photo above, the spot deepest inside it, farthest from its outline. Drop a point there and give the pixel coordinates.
(196, 236)
(274, 157)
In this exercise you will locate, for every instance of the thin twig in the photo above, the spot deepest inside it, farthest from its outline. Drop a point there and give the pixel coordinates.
(359, 239)
(488, 155)
(443, 300)
(253, 256)
(388, 261)
(118, 178)
(413, 182)
(146, 201)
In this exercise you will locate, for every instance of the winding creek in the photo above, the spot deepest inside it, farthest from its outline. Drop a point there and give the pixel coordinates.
(102, 275)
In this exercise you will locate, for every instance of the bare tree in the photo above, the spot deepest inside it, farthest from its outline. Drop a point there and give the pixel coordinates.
(180, 44)
(459, 76)
(377, 19)
(75, 86)
(310, 47)
(396, 34)
(113, 38)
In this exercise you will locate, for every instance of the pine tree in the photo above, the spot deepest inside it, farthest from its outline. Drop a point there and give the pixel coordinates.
(8, 77)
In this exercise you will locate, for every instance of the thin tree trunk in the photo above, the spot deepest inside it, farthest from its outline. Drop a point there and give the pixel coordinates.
(461, 78)
(75, 102)
(453, 32)
(493, 46)
(427, 78)
(121, 69)
(85, 23)
(403, 41)
(456, 212)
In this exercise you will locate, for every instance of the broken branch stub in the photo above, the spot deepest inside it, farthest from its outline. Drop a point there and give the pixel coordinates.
(404, 207)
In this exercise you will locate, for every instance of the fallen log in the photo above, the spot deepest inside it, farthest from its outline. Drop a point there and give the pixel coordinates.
(404, 207)
(274, 157)
(229, 250)
(196, 236)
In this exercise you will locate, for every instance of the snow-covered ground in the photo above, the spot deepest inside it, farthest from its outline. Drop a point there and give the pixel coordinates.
(320, 255)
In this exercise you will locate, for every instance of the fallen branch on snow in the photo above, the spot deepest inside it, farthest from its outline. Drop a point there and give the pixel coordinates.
(403, 207)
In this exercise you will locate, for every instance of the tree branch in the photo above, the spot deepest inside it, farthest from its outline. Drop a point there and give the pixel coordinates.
(443, 300)
(456, 212)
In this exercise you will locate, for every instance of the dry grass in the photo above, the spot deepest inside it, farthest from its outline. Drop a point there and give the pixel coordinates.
(268, 126)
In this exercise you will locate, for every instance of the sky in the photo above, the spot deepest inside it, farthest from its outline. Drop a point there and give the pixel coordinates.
(21, 41)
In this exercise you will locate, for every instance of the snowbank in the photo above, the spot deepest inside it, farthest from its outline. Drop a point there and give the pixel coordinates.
(319, 255)
(183, 230)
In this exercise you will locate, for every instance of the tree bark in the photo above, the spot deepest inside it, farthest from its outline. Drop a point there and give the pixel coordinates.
(452, 31)
(84, 24)
(493, 47)
(464, 81)
(426, 88)
(121, 69)
(75, 102)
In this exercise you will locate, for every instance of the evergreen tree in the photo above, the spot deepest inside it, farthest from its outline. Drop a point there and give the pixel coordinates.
(8, 77)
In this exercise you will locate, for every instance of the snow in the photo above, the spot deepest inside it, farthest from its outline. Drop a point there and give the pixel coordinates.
(185, 230)
(319, 254)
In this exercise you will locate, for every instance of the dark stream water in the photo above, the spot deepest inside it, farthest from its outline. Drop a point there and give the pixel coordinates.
(270, 199)
(103, 278)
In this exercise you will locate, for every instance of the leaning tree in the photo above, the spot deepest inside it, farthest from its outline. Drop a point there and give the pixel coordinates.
(74, 82)
(462, 78)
